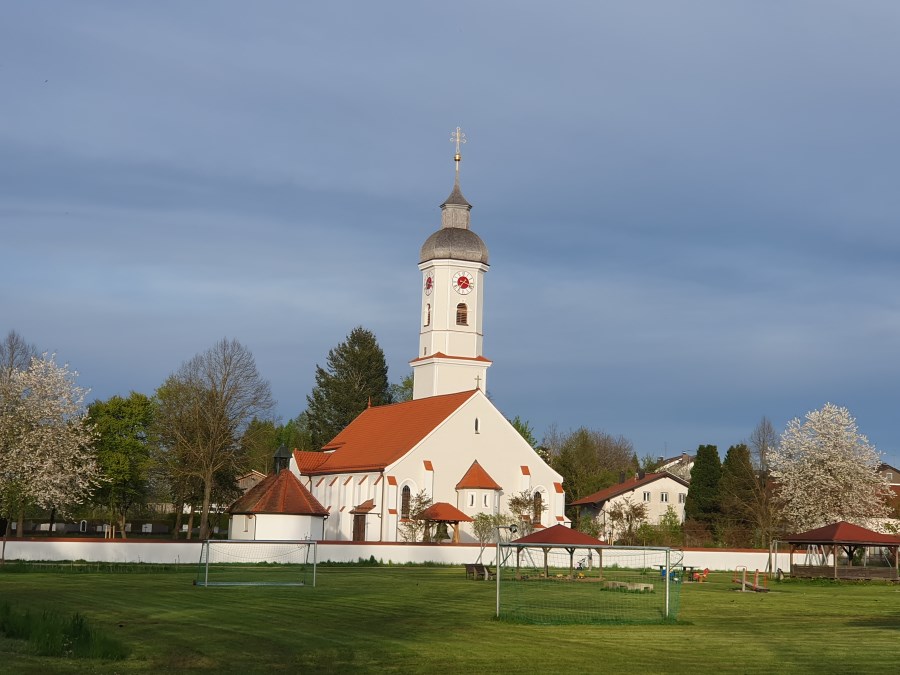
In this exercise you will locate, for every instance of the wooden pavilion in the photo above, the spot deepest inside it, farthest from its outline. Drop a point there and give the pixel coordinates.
(442, 512)
(849, 539)
(559, 536)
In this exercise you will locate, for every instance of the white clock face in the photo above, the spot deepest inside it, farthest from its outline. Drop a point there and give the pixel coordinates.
(429, 284)
(463, 282)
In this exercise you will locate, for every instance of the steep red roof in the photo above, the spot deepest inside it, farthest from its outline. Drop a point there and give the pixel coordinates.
(843, 533)
(476, 478)
(621, 488)
(307, 461)
(558, 535)
(381, 435)
(279, 493)
(442, 512)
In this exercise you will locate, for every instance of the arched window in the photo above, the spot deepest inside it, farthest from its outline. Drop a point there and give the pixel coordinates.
(405, 495)
(538, 507)
(462, 314)
(428, 314)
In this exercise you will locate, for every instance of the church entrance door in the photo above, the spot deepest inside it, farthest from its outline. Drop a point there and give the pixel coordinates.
(359, 527)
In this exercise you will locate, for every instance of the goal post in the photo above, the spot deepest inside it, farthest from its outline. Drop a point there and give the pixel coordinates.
(560, 584)
(239, 562)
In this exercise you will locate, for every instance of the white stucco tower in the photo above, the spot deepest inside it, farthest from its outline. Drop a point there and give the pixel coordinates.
(454, 262)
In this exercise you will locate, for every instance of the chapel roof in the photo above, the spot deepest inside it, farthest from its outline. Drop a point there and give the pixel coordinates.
(381, 435)
(476, 478)
(623, 487)
(279, 493)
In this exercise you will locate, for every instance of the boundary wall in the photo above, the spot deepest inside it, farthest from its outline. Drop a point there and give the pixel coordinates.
(188, 552)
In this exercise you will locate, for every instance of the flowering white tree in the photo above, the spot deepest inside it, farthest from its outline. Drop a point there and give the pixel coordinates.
(46, 446)
(825, 471)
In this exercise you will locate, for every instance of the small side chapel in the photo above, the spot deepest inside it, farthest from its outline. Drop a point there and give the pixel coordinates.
(450, 440)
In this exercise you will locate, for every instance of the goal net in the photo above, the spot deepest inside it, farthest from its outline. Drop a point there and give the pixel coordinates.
(603, 584)
(257, 563)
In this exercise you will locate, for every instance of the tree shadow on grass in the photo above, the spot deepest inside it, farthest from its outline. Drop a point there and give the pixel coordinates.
(889, 622)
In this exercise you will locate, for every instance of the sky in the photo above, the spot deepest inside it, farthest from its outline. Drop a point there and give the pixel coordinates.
(691, 208)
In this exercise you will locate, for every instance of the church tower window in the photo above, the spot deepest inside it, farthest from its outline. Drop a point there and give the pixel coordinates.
(404, 501)
(538, 507)
(462, 314)
(428, 314)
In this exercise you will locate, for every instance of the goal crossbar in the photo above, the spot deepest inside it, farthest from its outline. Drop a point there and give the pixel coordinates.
(246, 562)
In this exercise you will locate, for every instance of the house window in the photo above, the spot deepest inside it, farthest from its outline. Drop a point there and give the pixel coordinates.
(889, 476)
(471, 499)
(476, 425)
(681, 497)
(485, 501)
(404, 501)
(538, 507)
(462, 314)
(646, 496)
(663, 496)
(428, 314)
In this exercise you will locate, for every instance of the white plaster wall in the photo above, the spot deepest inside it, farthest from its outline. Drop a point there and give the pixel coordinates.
(275, 526)
(242, 526)
(188, 552)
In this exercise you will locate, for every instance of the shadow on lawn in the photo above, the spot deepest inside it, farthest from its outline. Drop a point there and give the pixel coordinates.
(890, 622)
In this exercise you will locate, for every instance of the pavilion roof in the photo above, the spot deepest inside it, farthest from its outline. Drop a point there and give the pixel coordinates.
(442, 512)
(558, 535)
(843, 532)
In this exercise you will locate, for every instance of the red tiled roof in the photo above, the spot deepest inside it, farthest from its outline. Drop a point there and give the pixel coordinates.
(843, 533)
(365, 507)
(559, 535)
(442, 512)
(279, 493)
(381, 435)
(622, 488)
(476, 478)
(306, 461)
(558, 487)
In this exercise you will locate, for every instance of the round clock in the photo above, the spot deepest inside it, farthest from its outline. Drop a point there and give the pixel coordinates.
(429, 284)
(463, 283)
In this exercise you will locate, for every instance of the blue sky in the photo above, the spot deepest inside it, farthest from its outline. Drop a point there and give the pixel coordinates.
(691, 207)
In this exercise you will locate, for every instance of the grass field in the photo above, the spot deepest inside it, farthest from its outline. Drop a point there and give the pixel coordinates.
(431, 619)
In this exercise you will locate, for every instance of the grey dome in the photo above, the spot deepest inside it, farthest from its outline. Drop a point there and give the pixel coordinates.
(456, 243)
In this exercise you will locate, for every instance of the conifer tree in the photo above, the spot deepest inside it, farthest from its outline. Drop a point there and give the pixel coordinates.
(703, 503)
(355, 374)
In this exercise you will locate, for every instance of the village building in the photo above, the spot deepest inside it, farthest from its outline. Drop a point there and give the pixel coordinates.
(450, 441)
(277, 508)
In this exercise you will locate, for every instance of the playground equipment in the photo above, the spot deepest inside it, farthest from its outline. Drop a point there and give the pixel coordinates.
(740, 577)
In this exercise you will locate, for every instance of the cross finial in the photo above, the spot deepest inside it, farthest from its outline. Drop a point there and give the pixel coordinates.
(459, 138)
(478, 382)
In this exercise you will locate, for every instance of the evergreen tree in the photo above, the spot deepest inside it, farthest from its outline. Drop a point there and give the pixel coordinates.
(737, 490)
(703, 503)
(355, 374)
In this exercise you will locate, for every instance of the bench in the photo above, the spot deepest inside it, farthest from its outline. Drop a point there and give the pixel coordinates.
(478, 571)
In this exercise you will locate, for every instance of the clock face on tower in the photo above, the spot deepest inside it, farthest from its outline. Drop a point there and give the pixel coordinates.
(429, 284)
(463, 283)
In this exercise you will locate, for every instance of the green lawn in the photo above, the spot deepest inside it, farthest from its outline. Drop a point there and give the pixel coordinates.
(431, 619)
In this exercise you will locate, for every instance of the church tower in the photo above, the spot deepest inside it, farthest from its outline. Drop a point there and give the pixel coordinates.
(453, 261)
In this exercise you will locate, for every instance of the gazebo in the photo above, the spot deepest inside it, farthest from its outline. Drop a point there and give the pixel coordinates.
(848, 538)
(559, 536)
(442, 512)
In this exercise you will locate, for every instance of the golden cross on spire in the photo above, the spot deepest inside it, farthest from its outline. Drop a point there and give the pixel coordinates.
(459, 138)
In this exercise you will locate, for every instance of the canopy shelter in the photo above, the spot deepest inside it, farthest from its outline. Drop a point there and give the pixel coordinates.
(442, 512)
(850, 539)
(559, 536)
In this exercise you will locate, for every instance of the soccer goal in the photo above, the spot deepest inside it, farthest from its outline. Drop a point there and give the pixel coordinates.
(548, 584)
(257, 563)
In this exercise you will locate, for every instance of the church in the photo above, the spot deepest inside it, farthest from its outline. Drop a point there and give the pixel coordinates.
(449, 440)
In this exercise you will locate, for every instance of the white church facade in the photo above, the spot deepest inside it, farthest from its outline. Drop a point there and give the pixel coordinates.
(450, 440)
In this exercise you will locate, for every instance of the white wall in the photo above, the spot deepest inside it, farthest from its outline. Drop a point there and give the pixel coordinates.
(181, 552)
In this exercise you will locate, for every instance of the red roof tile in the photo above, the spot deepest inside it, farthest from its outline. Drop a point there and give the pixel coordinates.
(392, 480)
(279, 493)
(476, 478)
(428, 465)
(442, 512)
(365, 507)
(843, 533)
(622, 488)
(559, 535)
(559, 488)
(381, 435)
(307, 461)
(526, 471)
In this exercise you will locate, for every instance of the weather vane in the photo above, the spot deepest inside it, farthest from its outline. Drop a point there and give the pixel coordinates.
(459, 138)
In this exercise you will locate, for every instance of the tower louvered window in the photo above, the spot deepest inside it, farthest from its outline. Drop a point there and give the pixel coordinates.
(462, 314)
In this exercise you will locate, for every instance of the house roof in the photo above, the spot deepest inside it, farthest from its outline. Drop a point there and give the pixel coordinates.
(843, 532)
(558, 535)
(627, 486)
(442, 512)
(476, 478)
(279, 493)
(381, 435)
(307, 461)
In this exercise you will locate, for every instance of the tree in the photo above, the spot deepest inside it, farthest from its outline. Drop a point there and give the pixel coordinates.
(46, 444)
(826, 471)
(702, 503)
(204, 409)
(15, 354)
(403, 391)
(737, 488)
(763, 440)
(415, 526)
(355, 377)
(624, 518)
(125, 448)
(525, 430)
